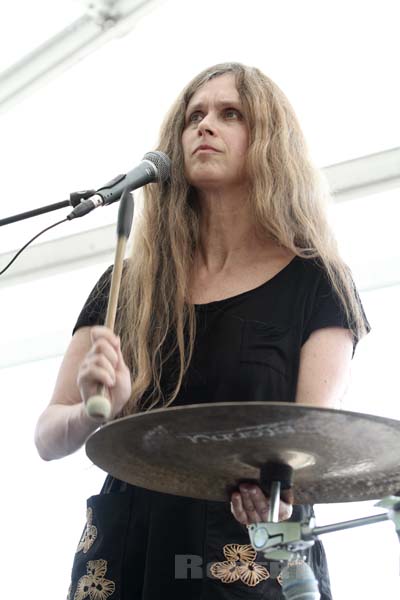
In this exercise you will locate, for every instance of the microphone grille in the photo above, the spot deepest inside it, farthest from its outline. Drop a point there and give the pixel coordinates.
(162, 163)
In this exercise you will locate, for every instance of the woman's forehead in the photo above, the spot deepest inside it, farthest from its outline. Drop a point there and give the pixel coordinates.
(221, 88)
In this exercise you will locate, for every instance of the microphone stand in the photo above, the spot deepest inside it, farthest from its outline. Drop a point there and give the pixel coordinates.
(74, 199)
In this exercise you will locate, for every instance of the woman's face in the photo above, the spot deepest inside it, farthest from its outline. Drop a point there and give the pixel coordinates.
(215, 138)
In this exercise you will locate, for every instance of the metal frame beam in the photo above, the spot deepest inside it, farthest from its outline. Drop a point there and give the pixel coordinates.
(365, 175)
(102, 22)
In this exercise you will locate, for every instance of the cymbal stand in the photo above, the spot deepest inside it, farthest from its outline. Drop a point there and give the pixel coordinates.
(287, 540)
(281, 540)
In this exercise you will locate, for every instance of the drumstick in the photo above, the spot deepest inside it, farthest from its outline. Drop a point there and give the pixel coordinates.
(98, 406)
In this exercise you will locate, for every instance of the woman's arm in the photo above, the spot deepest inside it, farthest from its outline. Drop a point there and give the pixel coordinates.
(93, 357)
(63, 426)
(324, 370)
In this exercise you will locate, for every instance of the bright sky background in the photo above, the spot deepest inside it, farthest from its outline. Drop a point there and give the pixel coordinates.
(337, 61)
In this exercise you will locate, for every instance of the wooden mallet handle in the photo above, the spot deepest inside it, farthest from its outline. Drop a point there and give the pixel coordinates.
(99, 406)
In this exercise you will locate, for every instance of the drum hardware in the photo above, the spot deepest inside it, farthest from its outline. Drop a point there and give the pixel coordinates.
(286, 541)
(282, 540)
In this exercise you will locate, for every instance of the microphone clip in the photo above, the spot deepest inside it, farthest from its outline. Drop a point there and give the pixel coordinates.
(76, 198)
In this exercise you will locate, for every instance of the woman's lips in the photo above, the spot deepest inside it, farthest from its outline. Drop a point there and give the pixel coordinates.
(205, 148)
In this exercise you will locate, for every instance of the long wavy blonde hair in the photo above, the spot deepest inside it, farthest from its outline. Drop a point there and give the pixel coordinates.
(288, 199)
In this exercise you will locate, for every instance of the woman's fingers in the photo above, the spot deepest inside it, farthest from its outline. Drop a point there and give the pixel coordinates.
(104, 365)
(107, 346)
(255, 503)
(107, 343)
(100, 331)
(237, 509)
(250, 505)
(98, 369)
(101, 359)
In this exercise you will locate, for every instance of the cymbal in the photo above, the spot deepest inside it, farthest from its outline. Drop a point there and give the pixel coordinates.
(204, 451)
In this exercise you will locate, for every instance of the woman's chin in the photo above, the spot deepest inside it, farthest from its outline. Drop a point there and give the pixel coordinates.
(212, 181)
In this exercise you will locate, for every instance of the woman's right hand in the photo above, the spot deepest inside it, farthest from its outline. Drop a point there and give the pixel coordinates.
(104, 364)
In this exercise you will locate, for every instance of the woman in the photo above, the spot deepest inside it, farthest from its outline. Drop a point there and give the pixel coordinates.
(234, 291)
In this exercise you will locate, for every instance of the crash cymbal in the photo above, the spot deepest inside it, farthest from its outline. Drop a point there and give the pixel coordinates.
(204, 451)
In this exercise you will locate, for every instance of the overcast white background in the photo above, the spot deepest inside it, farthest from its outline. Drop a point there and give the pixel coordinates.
(337, 61)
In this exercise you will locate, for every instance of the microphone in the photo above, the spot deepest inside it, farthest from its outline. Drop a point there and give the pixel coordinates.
(155, 166)
(299, 583)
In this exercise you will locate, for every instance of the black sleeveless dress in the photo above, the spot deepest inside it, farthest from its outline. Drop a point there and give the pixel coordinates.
(143, 545)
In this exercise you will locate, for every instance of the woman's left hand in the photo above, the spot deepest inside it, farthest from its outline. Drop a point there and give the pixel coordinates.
(250, 505)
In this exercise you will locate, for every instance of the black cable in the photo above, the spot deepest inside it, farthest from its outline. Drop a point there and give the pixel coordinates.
(27, 244)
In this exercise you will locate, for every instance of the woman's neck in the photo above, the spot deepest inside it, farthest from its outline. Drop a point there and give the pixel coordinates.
(228, 235)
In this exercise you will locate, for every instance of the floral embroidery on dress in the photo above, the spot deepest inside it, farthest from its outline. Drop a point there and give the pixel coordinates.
(252, 573)
(241, 553)
(93, 585)
(89, 535)
(226, 571)
(239, 565)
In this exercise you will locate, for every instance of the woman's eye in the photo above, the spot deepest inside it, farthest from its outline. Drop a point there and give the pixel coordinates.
(195, 117)
(232, 113)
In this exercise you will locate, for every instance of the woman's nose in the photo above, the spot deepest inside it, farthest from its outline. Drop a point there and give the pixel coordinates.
(206, 125)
